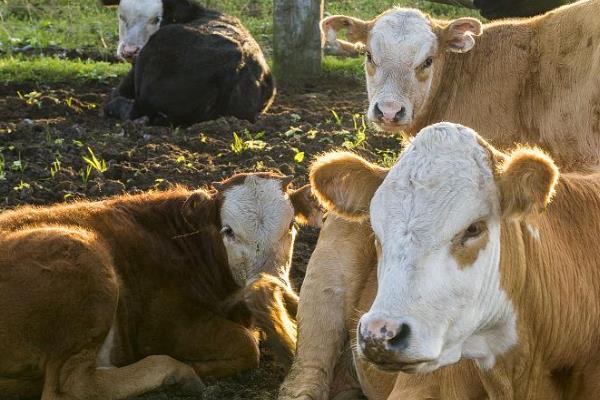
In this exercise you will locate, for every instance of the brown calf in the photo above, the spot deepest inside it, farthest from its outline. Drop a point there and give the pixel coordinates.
(110, 299)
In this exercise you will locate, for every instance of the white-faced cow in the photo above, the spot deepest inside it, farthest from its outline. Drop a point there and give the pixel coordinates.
(111, 299)
(479, 257)
(531, 80)
(190, 64)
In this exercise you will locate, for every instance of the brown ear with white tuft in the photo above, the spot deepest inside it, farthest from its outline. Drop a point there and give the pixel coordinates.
(306, 207)
(458, 35)
(527, 180)
(357, 32)
(345, 183)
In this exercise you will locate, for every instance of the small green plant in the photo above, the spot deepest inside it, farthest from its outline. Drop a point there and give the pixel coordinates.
(55, 167)
(18, 165)
(388, 157)
(298, 156)
(239, 145)
(22, 186)
(293, 131)
(85, 175)
(32, 98)
(2, 168)
(360, 133)
(94, 163)
(337, 119)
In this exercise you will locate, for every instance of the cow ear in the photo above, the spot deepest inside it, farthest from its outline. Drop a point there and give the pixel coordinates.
(527, 179)
(458, 35)
(345, 183)
(110, 2)
(200, 208)
(306, 207)
(176, 11)
(357, 32)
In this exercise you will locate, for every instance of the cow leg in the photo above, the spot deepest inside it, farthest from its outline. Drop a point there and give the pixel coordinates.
(80, 379)
(327, 301)
(269, 300)
(121, 102)
(235, 349)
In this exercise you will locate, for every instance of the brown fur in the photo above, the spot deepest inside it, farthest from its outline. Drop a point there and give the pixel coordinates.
(153, 267)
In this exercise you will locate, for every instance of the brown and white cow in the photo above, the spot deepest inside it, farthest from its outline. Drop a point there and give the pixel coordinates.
(533, 80)
(463, 266)
(110, 299)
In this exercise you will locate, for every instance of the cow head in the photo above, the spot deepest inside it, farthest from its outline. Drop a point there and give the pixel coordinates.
(436, 217)
(258, 213)
(138, 20)
(403, 48)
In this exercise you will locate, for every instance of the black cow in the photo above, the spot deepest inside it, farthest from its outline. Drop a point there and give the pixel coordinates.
(494, 9)
(190, 64)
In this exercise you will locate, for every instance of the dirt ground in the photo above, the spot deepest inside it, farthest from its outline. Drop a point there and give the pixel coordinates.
(45, 132)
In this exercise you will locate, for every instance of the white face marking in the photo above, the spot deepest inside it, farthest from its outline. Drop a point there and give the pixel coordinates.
(399, 78)
(257, 219)
(138, 20)
(442, 184)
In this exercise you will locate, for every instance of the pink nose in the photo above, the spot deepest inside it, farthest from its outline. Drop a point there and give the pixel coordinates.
(389, 111)
(382, 337)
(130, 51)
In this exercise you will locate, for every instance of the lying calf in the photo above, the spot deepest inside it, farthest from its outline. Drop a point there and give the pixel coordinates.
(190, 64)
(469, 267)
(110, 299)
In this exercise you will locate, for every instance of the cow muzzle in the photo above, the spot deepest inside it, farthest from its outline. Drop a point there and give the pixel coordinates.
(386, 342)
(390, 116)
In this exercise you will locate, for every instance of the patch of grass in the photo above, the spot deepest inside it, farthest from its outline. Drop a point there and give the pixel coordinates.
(54, 70)
(62, 23)
(344, 66)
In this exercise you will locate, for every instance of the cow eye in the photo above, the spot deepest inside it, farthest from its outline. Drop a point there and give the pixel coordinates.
(227, 232)
(427, 63)
(474, 230)
(157, 20)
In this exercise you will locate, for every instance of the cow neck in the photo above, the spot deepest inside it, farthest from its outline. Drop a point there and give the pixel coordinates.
(550, 272)
(170, 246)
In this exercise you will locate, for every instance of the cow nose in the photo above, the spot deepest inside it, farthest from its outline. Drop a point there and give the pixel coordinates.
(389, 111)
(380, 339)
(130, 51)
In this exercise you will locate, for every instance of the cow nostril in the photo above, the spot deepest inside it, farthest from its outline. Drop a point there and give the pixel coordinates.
(400, 114)
(400, 340)
(377, 111)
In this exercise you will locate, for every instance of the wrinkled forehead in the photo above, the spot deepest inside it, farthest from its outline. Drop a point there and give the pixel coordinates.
(441, 182)
(402, 33)
(140, 8)
(257, 205)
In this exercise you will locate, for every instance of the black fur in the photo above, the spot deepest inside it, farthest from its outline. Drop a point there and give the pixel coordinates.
(494, 9)
(200, 65)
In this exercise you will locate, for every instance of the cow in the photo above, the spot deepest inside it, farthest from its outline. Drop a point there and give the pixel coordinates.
(114, 298)
(533, 80)
(479, 260)
(190, 64)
